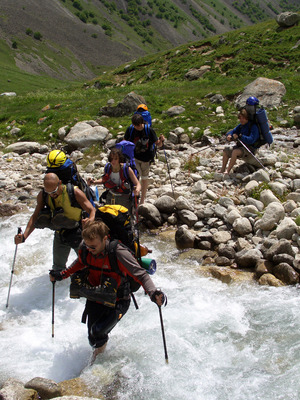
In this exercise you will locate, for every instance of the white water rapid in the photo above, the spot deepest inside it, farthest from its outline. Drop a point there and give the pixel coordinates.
(225, 342)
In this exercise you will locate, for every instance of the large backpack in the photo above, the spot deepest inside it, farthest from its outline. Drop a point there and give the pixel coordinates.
(127, 149)
(147, 131)
(260, 118)
(146, 116)
(68, 173)
(118, 220)
(113, 261)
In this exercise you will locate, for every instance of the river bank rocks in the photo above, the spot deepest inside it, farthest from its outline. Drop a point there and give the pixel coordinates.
(42, 389)
(241, 227)
(248, 220)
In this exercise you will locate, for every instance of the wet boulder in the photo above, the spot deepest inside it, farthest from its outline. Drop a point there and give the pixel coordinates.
(184, 238)
(248, 258)
(286, 273)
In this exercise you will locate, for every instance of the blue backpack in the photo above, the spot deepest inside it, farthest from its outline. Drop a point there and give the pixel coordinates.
(260, 118)
(127, 149)
(146, 116)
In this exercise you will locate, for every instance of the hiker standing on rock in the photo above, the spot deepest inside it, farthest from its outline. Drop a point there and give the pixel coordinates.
(145, 140)
(246, 132)
(59, 207)
(106, 284)
(119, 180)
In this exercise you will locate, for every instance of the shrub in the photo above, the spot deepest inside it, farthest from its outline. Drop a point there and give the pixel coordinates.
(28, 31)
(77, 5)
(37, 35)
(192, 163)
(14, 45)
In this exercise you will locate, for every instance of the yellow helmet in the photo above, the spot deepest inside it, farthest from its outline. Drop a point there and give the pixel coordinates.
(56, 158)
(143, 107)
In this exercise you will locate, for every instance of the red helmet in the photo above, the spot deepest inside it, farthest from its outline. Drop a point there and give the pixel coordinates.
(143, 107)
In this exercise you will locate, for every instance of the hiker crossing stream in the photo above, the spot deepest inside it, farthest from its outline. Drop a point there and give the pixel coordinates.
(238, 341)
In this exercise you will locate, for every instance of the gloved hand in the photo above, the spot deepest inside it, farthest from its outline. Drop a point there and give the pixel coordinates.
(55, 274)
(159, 298)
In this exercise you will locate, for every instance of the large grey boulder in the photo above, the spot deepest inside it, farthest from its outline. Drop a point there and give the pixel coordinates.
(150, 213)
(85, 134)
(286, 273)
(286, 228)
(126, 107)
(175, 110)
(242, 226)
(196, 73)
(274, 213)
(287, 19)
(24, 147)
(187, 217)
(283, 246)
(184, 204)
(247, 258)
(14, 389)
(165, 204)
(46, 388)
(268, 91)
(184, 238)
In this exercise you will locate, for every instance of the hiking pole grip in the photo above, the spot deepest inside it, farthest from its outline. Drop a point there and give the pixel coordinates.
(12, 268)
(53, 298)
(163, 333)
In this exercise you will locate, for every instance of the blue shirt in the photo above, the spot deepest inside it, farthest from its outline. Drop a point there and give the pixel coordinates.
(248, 133)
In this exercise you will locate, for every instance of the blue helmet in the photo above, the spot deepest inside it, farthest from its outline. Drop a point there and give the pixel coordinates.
(252, 101)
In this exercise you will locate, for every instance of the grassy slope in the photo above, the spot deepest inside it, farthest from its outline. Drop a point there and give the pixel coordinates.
(93, 49)
(236, 60)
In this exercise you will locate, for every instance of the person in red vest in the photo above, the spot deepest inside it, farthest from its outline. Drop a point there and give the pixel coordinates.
(106, 287)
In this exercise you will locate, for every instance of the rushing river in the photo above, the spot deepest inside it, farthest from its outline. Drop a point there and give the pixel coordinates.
(224, 342)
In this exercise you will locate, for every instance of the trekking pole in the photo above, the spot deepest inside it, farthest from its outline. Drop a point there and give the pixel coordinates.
(163, 333)
(53, 298)
(139, 252)
(249, 151)
(168, 170)
(203, 148)
(12, 269)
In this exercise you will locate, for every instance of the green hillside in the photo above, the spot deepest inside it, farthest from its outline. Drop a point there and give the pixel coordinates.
(235, 58)
(77, 39)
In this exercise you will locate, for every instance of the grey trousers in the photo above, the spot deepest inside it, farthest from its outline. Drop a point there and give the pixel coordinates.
(61, 253)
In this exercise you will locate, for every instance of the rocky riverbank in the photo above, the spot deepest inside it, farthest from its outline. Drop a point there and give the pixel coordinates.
(247, 221)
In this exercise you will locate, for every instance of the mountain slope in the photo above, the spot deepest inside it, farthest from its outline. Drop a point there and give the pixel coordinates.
(76, 39)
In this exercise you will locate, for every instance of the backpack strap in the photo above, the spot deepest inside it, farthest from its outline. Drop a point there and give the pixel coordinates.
(131, 129)
(71, 194)
(147, 129)
(107, 168)
(112, 256)
(125, 171)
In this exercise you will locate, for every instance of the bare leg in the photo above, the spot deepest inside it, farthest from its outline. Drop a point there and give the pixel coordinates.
(144, 184)
(97, 351)
(235, 154)
(224, 162)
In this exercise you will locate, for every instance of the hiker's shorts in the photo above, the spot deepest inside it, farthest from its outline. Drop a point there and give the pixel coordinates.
(244, 153)
(143, 168)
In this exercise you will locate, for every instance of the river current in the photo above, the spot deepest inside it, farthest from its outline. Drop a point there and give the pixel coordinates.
(237, 342)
